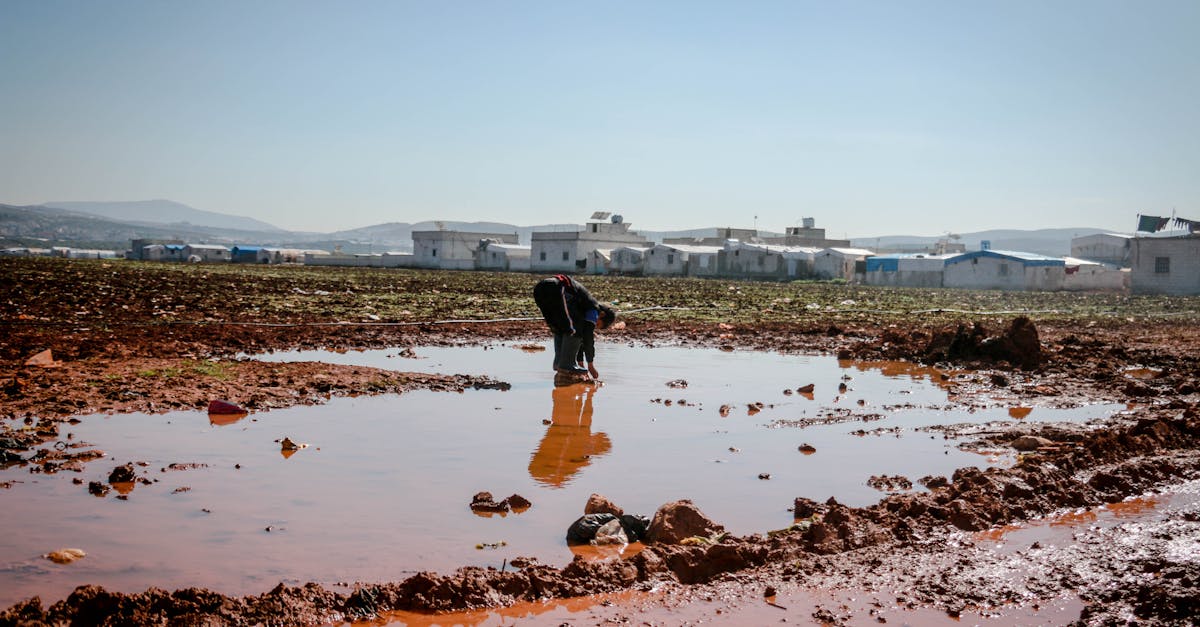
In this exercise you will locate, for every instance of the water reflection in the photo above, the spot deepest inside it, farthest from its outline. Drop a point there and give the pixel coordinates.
(223, 420)
(569, 444)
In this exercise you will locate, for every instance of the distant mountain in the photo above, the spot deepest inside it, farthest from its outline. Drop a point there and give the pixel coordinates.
(1052, 242)
(163, 212)
(38, 225)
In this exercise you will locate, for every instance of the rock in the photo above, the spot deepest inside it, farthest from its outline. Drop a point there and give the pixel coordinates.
(518, 502)
(806, 389)
(599, 504)
(807, 449)
(225, 407)
(97, 488)
(676, 521)
(484, 502)
(933, 481)
(610, 532)
(122, 474)
(65, 556)
(1030, 443)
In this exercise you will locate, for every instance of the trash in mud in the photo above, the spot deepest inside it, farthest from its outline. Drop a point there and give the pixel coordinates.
(765, 476)
(677, 383)
(724, 410)
(65, 556)
(490, 545)
(530, 348)
(44, 359)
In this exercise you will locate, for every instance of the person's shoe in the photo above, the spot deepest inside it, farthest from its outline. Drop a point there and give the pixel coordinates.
(574, 370)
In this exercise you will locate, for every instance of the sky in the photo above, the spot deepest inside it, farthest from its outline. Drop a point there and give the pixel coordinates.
(874, 118)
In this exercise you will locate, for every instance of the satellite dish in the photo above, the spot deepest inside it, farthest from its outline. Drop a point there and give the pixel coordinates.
(601, 215)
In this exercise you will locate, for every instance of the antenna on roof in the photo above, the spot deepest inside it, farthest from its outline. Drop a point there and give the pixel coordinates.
(601, 215)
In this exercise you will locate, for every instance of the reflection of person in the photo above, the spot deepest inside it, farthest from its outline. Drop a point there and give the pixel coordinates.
(573, 315)
(569, 444)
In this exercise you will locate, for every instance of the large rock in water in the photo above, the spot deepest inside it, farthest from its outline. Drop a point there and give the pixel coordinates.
(676, 521)
(599, 504)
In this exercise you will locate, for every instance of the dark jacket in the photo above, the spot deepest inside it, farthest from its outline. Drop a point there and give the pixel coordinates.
(564, 304)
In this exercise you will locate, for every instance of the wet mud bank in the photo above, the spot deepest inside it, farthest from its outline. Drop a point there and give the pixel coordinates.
(827, 541)
(102, 321)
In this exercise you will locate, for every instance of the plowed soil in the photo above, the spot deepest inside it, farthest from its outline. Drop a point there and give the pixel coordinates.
(154, 338)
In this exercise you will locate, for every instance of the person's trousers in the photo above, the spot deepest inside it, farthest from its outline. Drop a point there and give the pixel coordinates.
(566, 349)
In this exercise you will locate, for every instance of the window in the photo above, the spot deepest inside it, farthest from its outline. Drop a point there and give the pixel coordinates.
(435, 252)
(1004, 269)
(566, 256)
(542, 256)
(595, 227)
(670, 258)
(1162, 265)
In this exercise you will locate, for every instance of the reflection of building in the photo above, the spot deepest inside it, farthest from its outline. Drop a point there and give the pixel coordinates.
(569, 443)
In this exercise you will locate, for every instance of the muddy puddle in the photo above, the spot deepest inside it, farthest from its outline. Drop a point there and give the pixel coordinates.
(383, 487)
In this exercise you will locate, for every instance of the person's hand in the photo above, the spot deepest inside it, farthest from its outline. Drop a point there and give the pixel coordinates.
(592, 371)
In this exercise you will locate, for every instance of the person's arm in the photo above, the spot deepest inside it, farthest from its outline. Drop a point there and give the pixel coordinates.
(587, 348)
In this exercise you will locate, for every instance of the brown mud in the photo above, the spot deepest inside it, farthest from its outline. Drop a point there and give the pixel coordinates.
(144, 364)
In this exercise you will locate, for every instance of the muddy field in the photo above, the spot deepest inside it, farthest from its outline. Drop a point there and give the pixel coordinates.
(151, 338)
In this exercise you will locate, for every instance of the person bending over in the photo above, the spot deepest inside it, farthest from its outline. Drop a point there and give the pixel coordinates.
(573, 315)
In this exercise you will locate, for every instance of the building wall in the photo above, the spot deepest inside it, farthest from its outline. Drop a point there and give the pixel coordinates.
(703, 264)
(554, 254)
(666, 261)
(996, 273)
(905, 278)
(548, 247)
(451, 250)
(829, 264)
(1104, 248)
(1096, 278)
(627, 260)
(207, 254)
(1182, 268)
(751, 262)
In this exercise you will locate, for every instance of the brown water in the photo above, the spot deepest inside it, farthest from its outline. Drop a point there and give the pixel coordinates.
(383, 489)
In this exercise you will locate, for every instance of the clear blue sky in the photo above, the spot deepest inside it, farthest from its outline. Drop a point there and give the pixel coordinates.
(875, 118)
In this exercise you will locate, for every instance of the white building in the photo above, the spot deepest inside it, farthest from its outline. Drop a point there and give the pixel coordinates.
(838, 263)
(916, 270)
(197, 253)
(1110, 248)
(673, 259)
(1082, 275)
(599, 261)
(766, 261)
(452, 250)
(496, 255)
(1004, 270)
(568, 251)
(281, 255)
(628, 260)
(1165, 265)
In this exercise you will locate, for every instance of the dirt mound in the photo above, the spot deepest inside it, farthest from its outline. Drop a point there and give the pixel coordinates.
(1018, 345)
